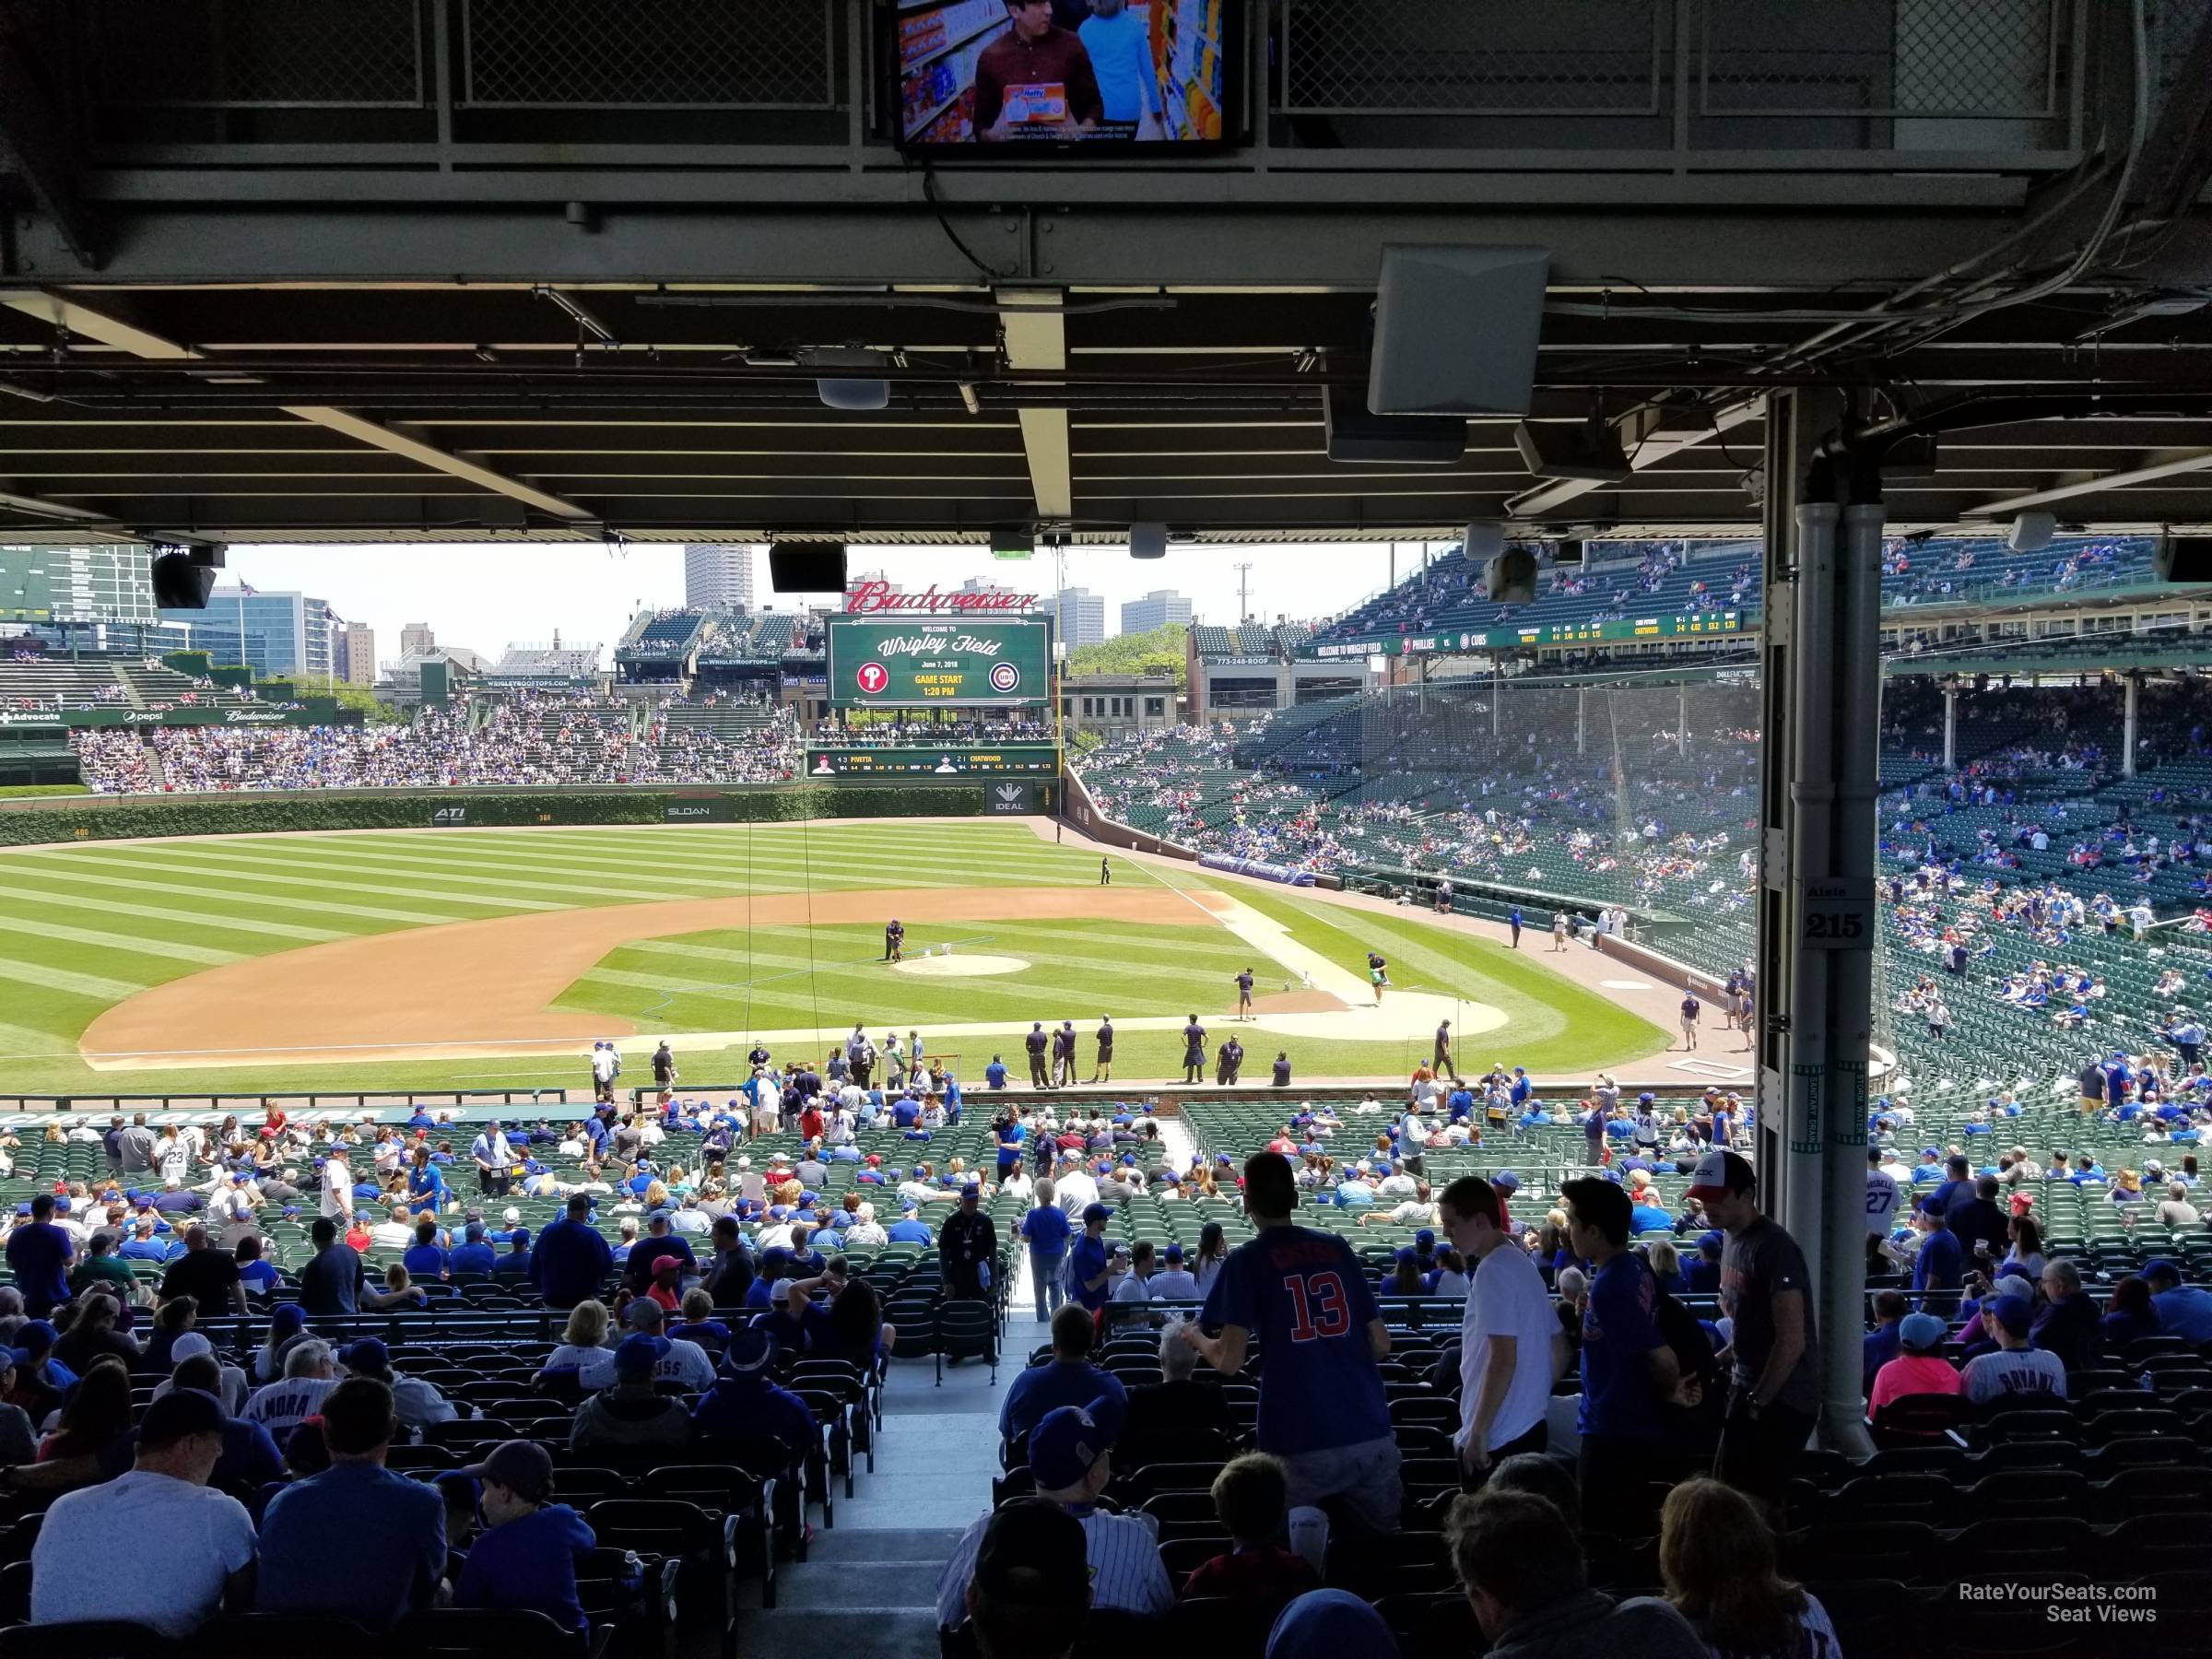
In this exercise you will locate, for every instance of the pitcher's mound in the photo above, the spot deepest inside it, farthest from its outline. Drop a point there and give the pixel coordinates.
(959, 967)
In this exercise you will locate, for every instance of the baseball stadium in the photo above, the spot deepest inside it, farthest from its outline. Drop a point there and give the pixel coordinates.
(1615, 1062)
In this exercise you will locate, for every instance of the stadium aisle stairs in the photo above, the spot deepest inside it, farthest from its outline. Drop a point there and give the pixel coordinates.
(869, 1585)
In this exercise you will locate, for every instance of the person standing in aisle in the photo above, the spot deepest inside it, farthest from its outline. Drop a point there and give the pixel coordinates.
(1774, 1392)
(1045, 1230)
(1511, 1346)
(1305, 1297)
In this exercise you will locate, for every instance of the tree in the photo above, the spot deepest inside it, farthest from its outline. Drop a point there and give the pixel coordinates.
(1159, 652)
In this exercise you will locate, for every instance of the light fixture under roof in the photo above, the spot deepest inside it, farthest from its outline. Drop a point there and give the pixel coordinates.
(855, 393)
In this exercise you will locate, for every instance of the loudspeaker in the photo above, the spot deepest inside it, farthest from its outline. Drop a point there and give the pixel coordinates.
(1485, 539)
(1455, 330)
(1511, 577)
(2031, 532)
(1591, 452)
(1358, 436)
(182, 580)
(2183, 558)
(806, 567)
(1147, 541)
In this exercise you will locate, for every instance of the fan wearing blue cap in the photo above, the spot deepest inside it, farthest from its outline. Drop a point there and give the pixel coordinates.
(1071, 1460)
(1919, 1368)
(2016, 1370)
(747, 1401)
(525, 1557)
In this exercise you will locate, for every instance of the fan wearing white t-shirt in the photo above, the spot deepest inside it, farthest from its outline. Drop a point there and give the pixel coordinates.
(1511, 1346)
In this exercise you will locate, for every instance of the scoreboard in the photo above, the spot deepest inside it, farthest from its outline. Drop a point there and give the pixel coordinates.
(950, 761)
(929, 663)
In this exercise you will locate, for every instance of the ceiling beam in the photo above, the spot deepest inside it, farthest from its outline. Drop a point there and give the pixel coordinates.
(96, 325)
(444, 461)
(1035, 333)
(39, 508)
(1649, 440)
(2119, 480)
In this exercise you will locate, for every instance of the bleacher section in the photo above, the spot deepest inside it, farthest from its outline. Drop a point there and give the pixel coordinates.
(55, 683)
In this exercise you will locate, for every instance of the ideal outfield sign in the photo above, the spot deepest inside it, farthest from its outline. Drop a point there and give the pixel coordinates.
(924, 664)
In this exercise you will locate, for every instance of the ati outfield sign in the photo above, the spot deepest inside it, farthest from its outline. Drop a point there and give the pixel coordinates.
(924, 663)
(75, 718)
(1033, 759)
(876, 598)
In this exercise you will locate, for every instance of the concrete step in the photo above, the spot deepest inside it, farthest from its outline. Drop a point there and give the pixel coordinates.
(907, 1585)
(930, 1545)
(861, 1631)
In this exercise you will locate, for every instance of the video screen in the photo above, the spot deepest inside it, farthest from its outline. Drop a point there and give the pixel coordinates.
(996, 76)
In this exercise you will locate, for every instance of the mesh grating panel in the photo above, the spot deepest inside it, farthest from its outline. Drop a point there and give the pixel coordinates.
(1951, 59)
(1472, 57)
(256, 54)
(662, 54)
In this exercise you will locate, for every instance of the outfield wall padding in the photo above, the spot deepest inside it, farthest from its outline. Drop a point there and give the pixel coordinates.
(97, 818)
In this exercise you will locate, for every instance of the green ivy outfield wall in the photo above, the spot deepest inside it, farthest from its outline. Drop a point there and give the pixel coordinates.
(81, 817)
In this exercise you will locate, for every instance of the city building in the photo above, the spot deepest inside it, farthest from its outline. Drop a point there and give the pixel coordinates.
(357, 654)
(718, 578)
(76, 584)
(1156, 610)
(414, 639)
(284, 635)
(1082, 617)
(1114, 703)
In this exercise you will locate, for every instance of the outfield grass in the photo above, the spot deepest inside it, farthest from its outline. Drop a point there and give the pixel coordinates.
(83, 927)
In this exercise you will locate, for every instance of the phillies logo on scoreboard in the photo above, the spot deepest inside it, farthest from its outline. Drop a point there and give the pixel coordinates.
(866, 599)
(873, 678)
(1004, 676)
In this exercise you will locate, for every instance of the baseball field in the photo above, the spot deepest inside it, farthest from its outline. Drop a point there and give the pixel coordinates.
(484, 958)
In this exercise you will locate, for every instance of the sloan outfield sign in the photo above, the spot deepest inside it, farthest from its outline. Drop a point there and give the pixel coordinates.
(921, 663)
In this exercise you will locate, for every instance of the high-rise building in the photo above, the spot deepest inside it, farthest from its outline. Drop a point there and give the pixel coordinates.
(414, 639)
(276, 635)
(1156, 610)
(1082, 615)
(718, 577)
(357, 654)
(76, 584)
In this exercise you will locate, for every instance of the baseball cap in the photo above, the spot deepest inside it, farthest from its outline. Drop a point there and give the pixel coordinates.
(1069, 1440)
(2014, 1314)
(1173, 1252)
(1323, 1624)
(2014, 1284)
(2022, 1201)
(636, 1355)
(2161, 1268)
(1505, 1180)
(1096, 1212)
(1720, 1173)
(1034, 1555)
(1921, 1332)
(369, 1355)
(523, 1466)
(1646, 1098)
(748, 1351)
(286, 1319)
(190, 1345)
(511, 1216)
(1425, 1239)
(178, 1414)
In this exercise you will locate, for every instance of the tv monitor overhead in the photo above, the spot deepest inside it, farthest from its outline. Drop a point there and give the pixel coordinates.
(1005, 78)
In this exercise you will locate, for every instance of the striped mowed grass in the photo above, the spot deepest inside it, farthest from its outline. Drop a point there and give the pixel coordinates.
(86, 926)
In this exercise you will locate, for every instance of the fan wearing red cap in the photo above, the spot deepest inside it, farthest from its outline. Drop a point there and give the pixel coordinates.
(1774, 1397)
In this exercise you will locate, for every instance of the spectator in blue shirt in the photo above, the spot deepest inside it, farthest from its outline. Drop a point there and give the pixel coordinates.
(995, 1073)
(1630, 1374)
(2185, 1311)
(1941, 1261)
(1882, 1343)
(1045, 1230)
(38, 1253)
(525, 1557)
(425, 1259)
(1067, 1378)
(472, 1255)
(1092, 1268)
(745, 1401)
(355, 1541)
(571, 1259)
(909, 1229)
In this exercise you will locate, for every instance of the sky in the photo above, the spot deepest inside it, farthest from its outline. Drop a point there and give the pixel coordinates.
(486, 597)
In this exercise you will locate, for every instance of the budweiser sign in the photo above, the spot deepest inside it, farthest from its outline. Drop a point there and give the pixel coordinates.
(869, 598)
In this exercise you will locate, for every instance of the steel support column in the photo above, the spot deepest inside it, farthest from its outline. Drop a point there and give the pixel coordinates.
(2131, 686)
(1821, 686)
(1581, 720)
(1950, 725)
